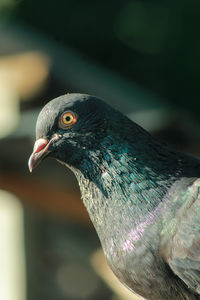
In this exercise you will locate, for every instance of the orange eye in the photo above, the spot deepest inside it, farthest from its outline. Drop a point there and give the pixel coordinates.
(67, 119)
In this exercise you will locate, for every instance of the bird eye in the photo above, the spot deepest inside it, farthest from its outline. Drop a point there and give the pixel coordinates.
(67, 120)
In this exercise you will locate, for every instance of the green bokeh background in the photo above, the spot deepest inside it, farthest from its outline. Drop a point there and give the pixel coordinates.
(154, 43)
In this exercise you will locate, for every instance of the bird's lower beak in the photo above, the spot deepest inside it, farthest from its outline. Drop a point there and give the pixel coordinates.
(40, 151)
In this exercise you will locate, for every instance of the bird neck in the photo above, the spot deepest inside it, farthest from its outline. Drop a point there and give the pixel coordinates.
(133, 177)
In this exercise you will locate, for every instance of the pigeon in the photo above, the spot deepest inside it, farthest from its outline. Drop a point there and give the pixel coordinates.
(142, 196)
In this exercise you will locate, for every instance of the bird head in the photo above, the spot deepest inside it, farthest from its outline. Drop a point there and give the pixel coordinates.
(68, 127)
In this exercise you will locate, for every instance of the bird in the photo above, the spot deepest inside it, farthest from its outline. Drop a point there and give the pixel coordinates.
(142, 196)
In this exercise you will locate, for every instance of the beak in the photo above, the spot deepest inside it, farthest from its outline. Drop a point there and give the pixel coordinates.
(40, 151)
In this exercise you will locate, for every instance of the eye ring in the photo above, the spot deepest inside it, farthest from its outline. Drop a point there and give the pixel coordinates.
(67, 119)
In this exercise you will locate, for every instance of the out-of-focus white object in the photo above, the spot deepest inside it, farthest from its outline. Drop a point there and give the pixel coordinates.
(12, 252)
(21, 77)
(26, 72)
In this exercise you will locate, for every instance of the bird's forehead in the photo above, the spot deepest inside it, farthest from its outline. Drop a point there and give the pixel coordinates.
(77, 102)
(50, 113)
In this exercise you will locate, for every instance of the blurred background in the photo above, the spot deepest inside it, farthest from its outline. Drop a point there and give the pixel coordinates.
(143, 57)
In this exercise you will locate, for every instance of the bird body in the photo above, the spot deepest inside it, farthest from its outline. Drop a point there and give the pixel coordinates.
(142, 197)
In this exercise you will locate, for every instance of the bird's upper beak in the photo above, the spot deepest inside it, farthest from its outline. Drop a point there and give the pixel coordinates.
(40, 151)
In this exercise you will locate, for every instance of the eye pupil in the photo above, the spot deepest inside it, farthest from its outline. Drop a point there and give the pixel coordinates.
(68, 118)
